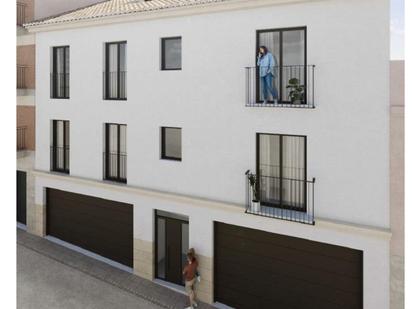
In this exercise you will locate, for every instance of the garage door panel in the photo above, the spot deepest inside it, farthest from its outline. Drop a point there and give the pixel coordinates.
(280, 268)
(283, 276)
(292, 242)
(101, 226)
(295, 256)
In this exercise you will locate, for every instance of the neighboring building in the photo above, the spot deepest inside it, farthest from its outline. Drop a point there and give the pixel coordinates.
(397, 184)
(149, 129)
(27, 11)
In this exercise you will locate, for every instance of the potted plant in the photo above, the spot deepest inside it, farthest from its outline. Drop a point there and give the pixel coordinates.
(296, 91)
(255, 206)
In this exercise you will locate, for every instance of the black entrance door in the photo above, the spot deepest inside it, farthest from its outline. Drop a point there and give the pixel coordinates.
(21, 197)
(171, 246)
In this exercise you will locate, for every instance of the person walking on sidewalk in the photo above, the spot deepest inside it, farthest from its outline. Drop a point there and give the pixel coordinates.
(189, 272)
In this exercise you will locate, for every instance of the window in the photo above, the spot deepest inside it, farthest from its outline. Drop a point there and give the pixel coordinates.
(288, 47)
(281, 169)
(172, 143)
(60, 76)
(115, 152)
(172, 53)
(114, 77)
(60, 146)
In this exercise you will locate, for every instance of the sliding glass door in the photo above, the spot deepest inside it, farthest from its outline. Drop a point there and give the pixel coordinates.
(288, 47)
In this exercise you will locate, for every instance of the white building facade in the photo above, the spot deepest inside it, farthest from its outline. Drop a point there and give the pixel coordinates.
(343, 121)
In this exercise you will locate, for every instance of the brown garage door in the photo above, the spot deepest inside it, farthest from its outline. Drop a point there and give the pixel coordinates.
(255, 269)
(98, 225)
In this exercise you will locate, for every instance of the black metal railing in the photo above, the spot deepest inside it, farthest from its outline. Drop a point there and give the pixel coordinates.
(21, 138)
(281, 198)
(115, 166)
(60, 85)
(114, 85)
(21, 13)
(294, 86)
(21, 76)
(60, 159)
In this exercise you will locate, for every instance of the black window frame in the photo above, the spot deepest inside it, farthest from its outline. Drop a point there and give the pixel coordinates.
(163, 53)
(280, 61)
(163, 144)
(53, 78)
(303, 209)
(66, 148)
(106, 175)
(106, 73)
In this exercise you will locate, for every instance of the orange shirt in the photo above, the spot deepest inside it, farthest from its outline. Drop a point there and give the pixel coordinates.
(190, 270)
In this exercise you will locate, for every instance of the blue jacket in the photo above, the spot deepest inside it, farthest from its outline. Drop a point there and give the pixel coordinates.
(267, 64)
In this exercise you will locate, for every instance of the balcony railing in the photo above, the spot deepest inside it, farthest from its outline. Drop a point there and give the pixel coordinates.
(21, 13)
(293, 84)
(21, 138)
(280, 198)
(60, 85)
(60, 159)
(114, 85)
(115, 166)
(21, 76)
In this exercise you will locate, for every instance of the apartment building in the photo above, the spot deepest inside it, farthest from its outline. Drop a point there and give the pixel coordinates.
(153, 135)
(27, 11)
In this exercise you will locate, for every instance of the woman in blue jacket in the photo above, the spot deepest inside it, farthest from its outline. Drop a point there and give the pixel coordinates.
(267, 71)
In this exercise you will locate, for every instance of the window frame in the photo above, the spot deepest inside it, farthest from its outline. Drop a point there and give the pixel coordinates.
(118, 153)
(66, 144)
(106, 80)
(280, 60)
(163, 145)
(281, 136)
(66, 88)
(163, 53)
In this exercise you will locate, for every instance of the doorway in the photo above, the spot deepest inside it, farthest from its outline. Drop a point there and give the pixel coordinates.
(172, 244)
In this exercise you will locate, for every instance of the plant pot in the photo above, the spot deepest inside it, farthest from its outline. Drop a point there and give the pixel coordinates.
(255, 207)
(297, 102)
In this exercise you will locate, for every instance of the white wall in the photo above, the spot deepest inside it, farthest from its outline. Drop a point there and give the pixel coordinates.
(45, 8)
(348, 132)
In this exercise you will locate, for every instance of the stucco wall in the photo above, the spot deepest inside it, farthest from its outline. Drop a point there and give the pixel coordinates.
(348, 132)
(397, 184)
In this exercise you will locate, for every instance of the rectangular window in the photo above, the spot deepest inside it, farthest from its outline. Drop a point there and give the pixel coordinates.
(172, 143)
(115, 152)
(60, 157)
(281, 169)
(60, 76)
(114, 76)
(172, 53)
(288, 47)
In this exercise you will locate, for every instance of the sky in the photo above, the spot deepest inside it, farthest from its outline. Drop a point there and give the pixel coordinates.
(397, 29)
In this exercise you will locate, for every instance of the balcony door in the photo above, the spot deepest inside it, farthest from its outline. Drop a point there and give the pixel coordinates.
(288, 46)
(281, 170)
(115, 155)
(115, 71)
(61, 72)
(60, 147)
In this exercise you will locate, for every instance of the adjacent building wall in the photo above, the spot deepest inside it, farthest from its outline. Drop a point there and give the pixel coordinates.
(397, 185)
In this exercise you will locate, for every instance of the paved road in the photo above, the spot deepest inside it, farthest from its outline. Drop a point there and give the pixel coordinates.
(44, 283)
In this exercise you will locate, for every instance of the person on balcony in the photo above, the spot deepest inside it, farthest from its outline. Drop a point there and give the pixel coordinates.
(267, 67)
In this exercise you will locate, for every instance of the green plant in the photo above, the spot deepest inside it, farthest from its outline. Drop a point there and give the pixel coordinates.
(296, 91)
(253, 184)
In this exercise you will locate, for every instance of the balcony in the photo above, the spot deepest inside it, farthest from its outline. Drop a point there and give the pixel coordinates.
(114, 85)
(60, 159)
(115, 166)
(280, 198)
(21, 76)
(60, 85)
(294, 85)
(21, 13)
(21, 138)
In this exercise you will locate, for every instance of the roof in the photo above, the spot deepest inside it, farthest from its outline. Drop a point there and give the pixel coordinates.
(118, 7)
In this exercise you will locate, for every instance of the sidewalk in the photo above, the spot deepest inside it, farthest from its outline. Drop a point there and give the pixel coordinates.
(145, 289)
